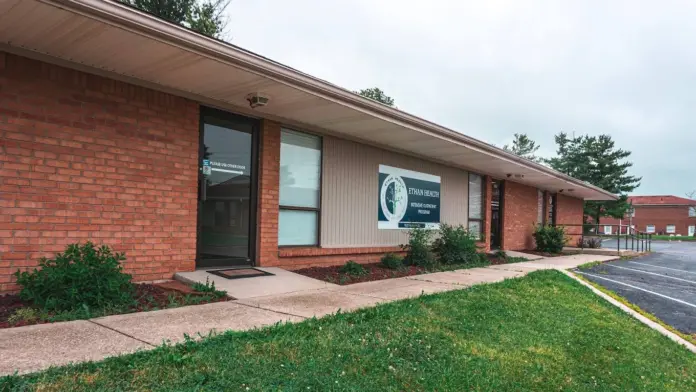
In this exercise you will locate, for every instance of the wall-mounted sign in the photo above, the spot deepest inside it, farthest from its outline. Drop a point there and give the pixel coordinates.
(407, 199)
(225, 167)
(207, 170)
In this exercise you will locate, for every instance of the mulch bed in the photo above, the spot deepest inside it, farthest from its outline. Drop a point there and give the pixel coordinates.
(547, 254)
(149, 296)
(375, 272)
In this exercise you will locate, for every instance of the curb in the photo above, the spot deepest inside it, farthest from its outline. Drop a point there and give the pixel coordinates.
(635, 314)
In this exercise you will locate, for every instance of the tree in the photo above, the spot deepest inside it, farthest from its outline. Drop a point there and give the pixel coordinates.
(205, 17)
(376, 94)
(524, 147)
(596, 160)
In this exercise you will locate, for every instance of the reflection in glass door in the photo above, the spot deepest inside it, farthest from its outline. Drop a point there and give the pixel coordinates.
(226, 211)
(496, 212)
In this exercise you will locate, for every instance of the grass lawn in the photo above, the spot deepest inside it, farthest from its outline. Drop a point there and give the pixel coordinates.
(543, 332)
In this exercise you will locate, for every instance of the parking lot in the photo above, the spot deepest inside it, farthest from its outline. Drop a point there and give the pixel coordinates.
(662, 283)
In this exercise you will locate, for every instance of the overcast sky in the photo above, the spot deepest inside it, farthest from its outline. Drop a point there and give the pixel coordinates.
(492, 68)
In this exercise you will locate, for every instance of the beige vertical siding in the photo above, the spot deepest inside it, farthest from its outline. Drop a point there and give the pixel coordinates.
(349, 193)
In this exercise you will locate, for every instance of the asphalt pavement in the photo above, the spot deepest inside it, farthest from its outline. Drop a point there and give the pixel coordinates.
(662, 283)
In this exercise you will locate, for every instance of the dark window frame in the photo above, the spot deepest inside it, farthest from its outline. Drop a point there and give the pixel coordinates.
(483, 204)
(317, 210)
(553, 211)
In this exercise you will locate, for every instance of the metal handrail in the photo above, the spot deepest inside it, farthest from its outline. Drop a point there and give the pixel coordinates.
(640, 241)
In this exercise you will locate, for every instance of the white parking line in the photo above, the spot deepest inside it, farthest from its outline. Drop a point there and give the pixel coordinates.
(651, 273)
(638, 288)
(658, 266)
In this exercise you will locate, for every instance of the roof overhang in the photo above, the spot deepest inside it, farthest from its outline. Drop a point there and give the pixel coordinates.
(108, 38)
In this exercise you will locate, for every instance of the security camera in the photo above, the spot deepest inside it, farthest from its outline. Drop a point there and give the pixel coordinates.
(257, 100)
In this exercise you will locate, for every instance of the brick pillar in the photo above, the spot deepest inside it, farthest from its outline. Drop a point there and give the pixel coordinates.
(269, 183)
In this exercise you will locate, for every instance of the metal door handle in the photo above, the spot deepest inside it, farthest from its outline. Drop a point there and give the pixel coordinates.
(204, 188)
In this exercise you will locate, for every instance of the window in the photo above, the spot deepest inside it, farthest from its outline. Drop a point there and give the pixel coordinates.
(552, 210)
(300, 188)
(632, 212)
(692, 212)
(607, 230)
(650, 229)
(540, 207)
(476, 202)
(671, 229)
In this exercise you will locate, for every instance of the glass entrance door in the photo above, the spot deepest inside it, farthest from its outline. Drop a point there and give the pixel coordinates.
(496, 211)
(227, 183)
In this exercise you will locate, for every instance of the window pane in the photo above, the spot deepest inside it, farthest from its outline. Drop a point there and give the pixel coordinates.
(671, 229)
(475, 228)
(692, 211)
(300, 169)
(650, 229)
(475, 196)
(297, 227)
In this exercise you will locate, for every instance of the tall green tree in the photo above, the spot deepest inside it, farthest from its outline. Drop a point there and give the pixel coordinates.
(523, 146)
(206, 16)
(376, 94)
(596, 160)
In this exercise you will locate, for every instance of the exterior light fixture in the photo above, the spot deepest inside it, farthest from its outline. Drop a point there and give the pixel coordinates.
(257, 100)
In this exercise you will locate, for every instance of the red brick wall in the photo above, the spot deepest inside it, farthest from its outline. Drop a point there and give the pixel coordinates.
(570, 211)
(294, 258)
(660, 216)
(520, 213)
(84, 157)
(269, 184)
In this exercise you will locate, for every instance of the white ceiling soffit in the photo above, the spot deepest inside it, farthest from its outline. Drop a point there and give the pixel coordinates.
(109, 38)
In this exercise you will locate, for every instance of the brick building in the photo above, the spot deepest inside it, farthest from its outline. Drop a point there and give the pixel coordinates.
(122, 128)
(669, 215)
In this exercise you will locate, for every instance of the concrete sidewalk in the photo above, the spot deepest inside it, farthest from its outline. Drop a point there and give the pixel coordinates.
(37, 347)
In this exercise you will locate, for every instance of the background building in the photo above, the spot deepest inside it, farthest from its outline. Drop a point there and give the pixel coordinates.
(657, 215)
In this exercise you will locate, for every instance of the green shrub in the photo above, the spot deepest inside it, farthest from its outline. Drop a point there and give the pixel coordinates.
(590, 242)
(418, 250)
(501, 254)
(392, 261)
(28, 315)
(456, 245)
(84, 277)
(352, 268)
(208, 287)
(550, 239)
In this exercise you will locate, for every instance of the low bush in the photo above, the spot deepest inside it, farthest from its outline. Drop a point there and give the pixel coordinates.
(549, 238)
(392, 261)
(455, 245)
(501, 254)
(208, 287)
(83, 277)
(25, 315)
(418, 250)
(354, 269)
(590, 242)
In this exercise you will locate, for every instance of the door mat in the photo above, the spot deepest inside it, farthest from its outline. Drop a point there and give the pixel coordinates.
(240, 273)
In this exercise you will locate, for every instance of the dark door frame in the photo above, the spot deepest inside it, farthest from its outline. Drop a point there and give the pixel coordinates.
(223, 117)
(501, 221)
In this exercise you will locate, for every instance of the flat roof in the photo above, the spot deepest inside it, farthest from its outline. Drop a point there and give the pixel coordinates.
(111, 39)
